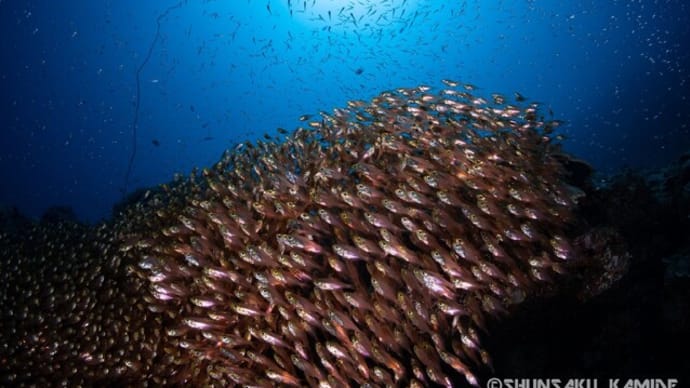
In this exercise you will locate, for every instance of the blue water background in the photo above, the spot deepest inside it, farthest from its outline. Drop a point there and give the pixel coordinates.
(224, 72)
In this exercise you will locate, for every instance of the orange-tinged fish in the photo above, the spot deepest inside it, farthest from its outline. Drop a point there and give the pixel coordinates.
(383, 286)
(367, 246)
(349, 252)
(306, 366)
(466, 250)
(331, 284)
(435, 283)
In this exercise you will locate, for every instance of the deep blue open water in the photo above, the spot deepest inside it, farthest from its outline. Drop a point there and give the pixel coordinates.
(88, 85)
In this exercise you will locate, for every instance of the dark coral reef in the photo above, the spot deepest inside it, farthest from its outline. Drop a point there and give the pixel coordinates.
(377, 245)
(639, 326)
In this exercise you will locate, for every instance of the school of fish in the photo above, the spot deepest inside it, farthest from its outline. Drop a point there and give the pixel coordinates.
(368, 248)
